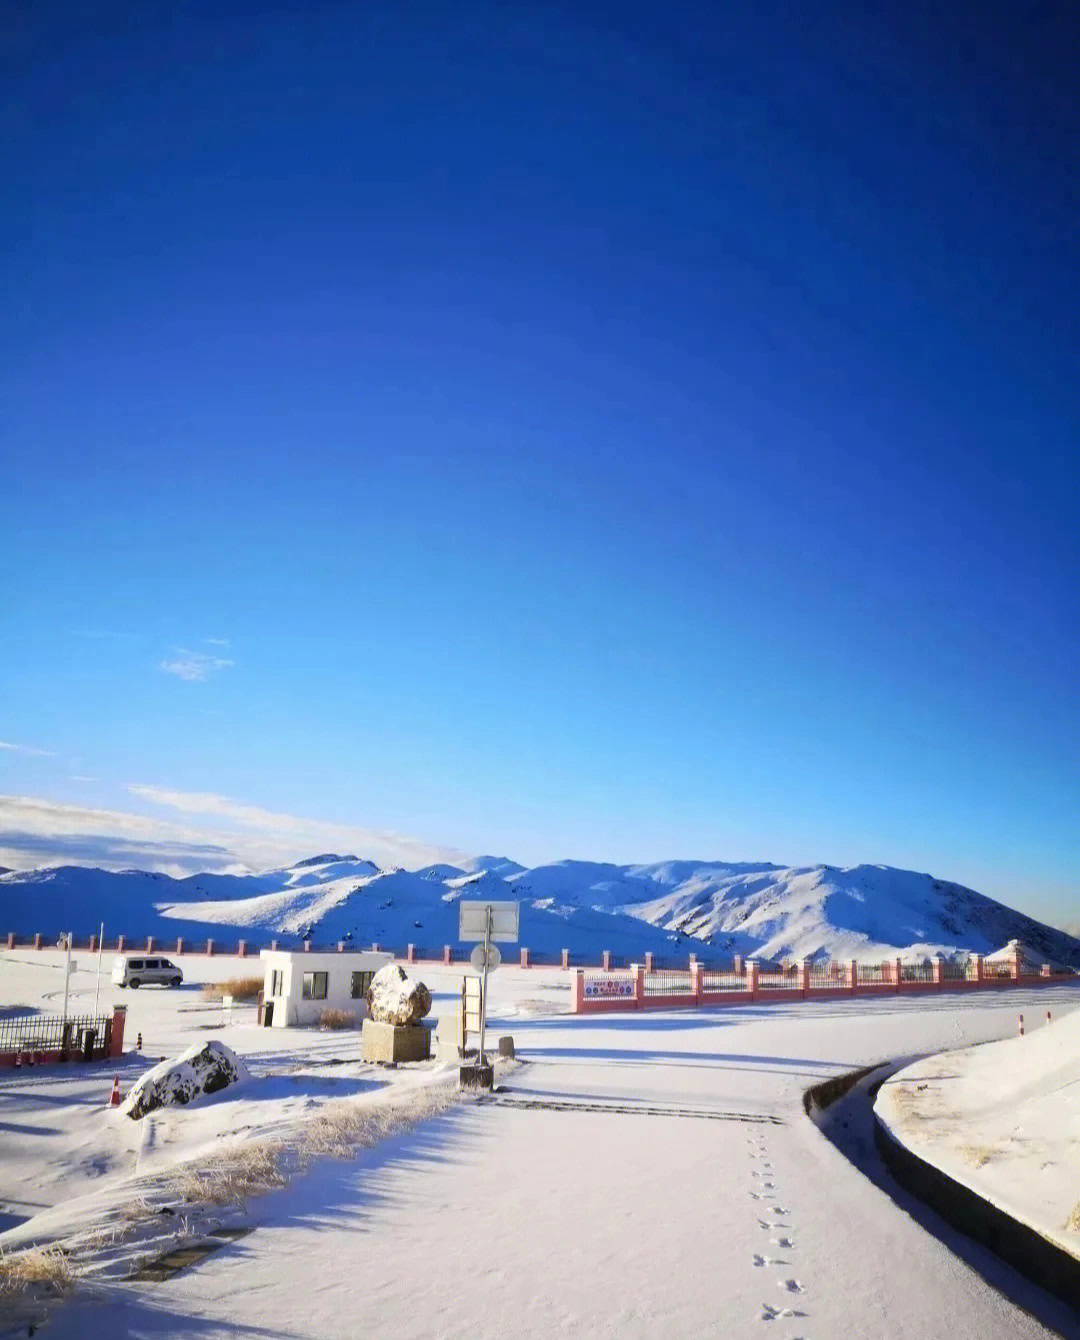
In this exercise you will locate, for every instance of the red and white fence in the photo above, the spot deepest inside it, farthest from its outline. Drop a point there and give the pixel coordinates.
(638, 987)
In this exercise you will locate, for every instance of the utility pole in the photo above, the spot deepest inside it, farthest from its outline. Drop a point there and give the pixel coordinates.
(97, 987)
(67, 972)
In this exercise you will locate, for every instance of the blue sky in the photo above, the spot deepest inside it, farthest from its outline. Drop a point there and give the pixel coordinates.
(582, 430)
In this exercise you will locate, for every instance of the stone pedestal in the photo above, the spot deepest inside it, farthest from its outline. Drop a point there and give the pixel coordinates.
(476, 1076)
(394, 1042)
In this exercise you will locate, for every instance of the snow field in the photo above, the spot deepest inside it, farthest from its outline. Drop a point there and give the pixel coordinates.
(640, 1175)
(1003, 1120)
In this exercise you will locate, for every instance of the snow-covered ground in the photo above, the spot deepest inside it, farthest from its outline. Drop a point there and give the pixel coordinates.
(1003, 1120)
(869, 912)
(649, 1175)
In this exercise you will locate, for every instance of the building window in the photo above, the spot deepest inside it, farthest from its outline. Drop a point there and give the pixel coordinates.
(314, 987)
(276, 982)
(360, 983)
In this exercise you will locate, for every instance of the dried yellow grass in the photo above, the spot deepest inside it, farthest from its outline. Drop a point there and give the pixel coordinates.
(35, 1268)
(337, 1019)
(228, 1178)
(240, 988)
(344, 1126)
(1073, 1221)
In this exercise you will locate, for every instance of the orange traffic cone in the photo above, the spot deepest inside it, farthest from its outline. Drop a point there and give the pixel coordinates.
(114, 1101)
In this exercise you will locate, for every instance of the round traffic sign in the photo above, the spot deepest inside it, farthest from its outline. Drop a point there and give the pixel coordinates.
(494, 958)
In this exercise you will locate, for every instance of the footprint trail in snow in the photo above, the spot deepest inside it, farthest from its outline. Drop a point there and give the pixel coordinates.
(773, 1219)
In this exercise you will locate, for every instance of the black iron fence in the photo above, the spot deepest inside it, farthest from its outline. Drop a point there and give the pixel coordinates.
(723, 981)
(828, 976)
(779, 979)
(666, 983)
(80, 1035)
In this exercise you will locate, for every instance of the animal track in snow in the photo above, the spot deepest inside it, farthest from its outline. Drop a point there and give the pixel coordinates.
(792, 1286)
(786, 1243)
(770, 1313)
(760, 1260)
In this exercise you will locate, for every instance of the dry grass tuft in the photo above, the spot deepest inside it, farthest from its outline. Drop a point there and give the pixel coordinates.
(227, 1179)
(1073, 1221)
(343, 1127)
(337, 1019)
(41, 1267)
(135, 1210)
(240, 988)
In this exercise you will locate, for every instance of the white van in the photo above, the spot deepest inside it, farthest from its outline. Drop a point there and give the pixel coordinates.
(145, 970)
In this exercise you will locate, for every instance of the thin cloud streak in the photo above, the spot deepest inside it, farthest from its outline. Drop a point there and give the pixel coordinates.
(35, 830)
(194, 666)
(27, 749)
(400, 848)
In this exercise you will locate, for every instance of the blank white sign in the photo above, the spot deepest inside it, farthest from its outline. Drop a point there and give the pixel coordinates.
(504, 921)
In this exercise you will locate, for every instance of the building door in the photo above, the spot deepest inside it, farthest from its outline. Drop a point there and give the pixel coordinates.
(268, 1014)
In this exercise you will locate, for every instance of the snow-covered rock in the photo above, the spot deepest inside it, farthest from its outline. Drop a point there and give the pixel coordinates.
(206, 1067)
(394, 998)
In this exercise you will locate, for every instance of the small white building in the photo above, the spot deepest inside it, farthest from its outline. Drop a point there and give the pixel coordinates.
(298, 986)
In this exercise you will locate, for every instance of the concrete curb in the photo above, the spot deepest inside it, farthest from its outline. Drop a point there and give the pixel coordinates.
(1040, 1260)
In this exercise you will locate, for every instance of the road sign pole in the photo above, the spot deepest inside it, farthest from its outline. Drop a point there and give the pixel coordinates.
(483, 989)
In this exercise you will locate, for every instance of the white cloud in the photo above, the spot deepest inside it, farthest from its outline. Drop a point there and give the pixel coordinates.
(216, 641)
(37, 831)
(385, 847)
(26, 749)
(194, 666)
(78, 777)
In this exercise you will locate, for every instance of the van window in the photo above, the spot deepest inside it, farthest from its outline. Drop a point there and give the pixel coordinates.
(152, 963)
(136, 963)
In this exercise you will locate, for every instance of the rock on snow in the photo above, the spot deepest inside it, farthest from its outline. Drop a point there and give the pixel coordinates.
(204, 1068)
(394, 998)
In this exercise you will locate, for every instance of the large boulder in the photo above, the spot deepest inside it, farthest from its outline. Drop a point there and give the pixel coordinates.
(205, 1068)
(394, 998)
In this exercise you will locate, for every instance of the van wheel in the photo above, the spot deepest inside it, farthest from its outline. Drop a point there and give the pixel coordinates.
(175, 981)
(134, 984)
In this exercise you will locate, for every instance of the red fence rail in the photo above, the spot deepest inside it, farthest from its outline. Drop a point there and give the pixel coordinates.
(594, 990)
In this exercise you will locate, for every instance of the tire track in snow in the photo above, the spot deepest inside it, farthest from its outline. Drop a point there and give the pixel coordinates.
(567, 1105)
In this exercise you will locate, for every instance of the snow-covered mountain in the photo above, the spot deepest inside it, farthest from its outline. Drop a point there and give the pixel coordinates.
(718, 909)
